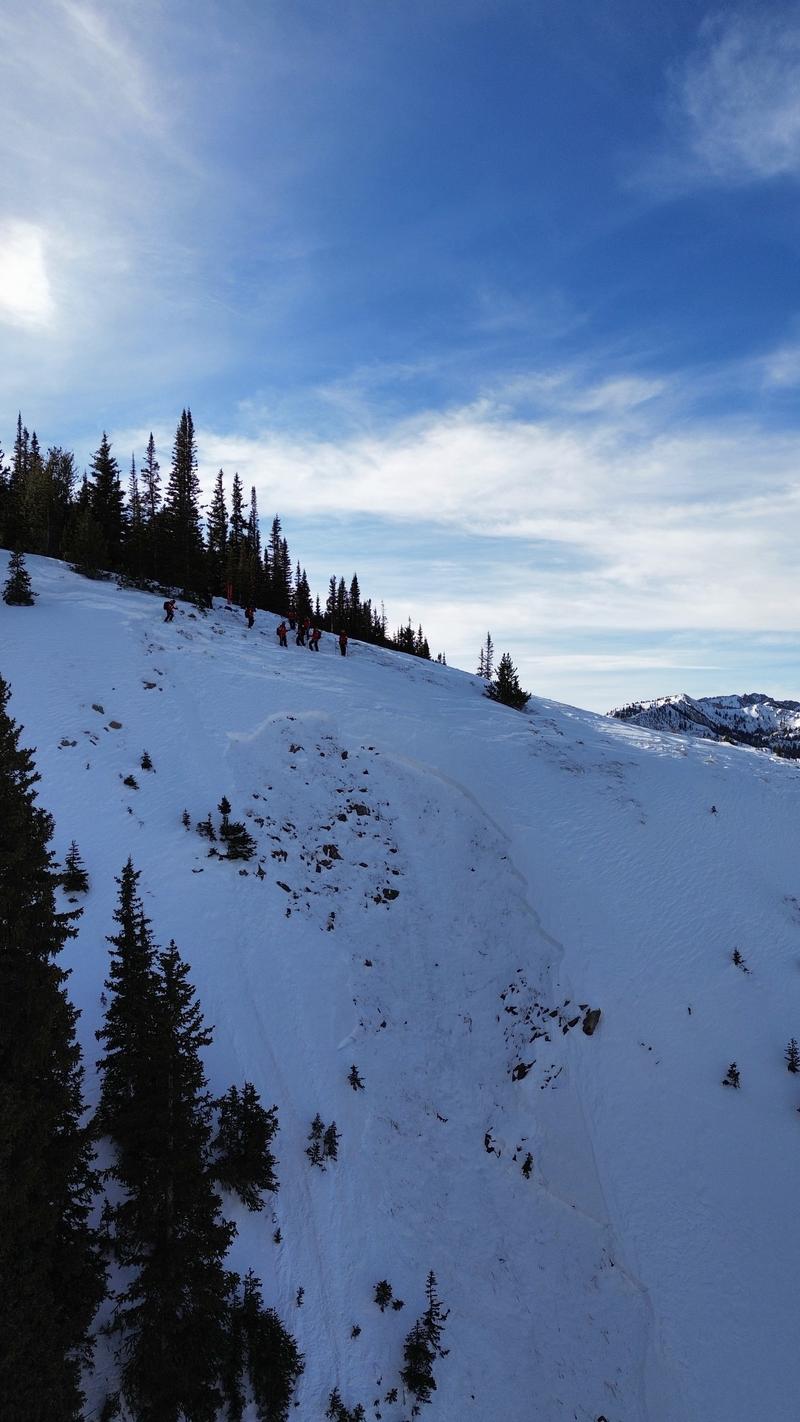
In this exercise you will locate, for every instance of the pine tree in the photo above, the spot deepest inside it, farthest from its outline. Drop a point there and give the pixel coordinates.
(424, 1345)
(732, 1076)
(86, 547)
(217, 534)
(107, 504)
(383, 1294)
(182, 509)
(173, 1312)
(17, 591)
(488, 656)
(239, 841)
(330, 1143)
(265, 1353)
(53, 1278)
(792, 1055)
(74, 880)
(337, 1412)
(151, 506)
(506, 688)
(244, 1162)
(315, 1150)
(354, 1078)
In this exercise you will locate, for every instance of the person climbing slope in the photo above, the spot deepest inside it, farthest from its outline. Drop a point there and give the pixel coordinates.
(169, 607)
(250, 614)
(281, 634)
(343, 643)
(313, 641)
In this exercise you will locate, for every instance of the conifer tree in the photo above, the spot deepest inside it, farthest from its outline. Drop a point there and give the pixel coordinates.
(315, 1149)
(423, 1346)
(244, 1162)
(506, 688)
(792, 1056)
(17, 591)
(173, 1312)
(330, 1143)
(50, 1266)
(74, 880)
(151, 506)
(107, 504)
(182, 509)
(265, 1353)
(217, 534)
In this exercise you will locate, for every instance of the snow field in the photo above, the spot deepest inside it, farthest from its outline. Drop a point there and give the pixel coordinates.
(646, 1270)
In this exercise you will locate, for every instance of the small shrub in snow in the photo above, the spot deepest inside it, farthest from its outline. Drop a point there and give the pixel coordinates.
(186, 820)
(354, 1079)
(732, 1077)
(527, 1166)
(131, 782)
(792, 1055)
(355, 1331)
(383, 1294)
(145, 762)
(299, 1296)
(206, 828)
(736, 957)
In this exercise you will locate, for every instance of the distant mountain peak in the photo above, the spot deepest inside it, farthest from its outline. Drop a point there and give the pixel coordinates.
(752, 718)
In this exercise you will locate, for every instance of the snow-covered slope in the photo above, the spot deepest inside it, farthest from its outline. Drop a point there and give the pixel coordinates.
(752, 719)
(543, 864)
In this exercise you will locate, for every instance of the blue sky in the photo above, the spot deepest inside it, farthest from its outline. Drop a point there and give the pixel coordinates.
(495, 301)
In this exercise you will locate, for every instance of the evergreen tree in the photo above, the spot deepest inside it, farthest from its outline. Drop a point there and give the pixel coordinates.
(151, 506)
(265, 1353)
(506, 688)
(107, 504)
(383, 1294)
(424, 1345)
(86, 547)
(53, 1279)
(217, 534)
(337, 1412)
(488, 656)
(60, 479)
(792, 1055)
(17, 591)
(330, 1143)
(174, 1310)
(244, 1162)
(74, 880)
(183, 556)
(315, 1150)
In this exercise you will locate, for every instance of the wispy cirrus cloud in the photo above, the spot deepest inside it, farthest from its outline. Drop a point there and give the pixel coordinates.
(733, 107)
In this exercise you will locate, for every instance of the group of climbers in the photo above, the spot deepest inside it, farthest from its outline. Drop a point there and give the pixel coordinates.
(303, 628)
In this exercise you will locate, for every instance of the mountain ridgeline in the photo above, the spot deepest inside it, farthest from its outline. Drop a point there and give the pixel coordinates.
(753, 719)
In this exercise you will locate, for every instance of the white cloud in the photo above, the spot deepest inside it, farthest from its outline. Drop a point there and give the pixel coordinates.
(25, 296)
(736, 100)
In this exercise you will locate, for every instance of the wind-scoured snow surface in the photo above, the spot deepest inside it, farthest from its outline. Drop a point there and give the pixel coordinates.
(647, 1270)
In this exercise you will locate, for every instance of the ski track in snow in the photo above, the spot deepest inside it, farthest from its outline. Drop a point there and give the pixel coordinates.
(646, 1271)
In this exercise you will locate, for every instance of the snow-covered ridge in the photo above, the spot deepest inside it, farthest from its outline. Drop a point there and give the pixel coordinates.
(753, 719)
(495, 875)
